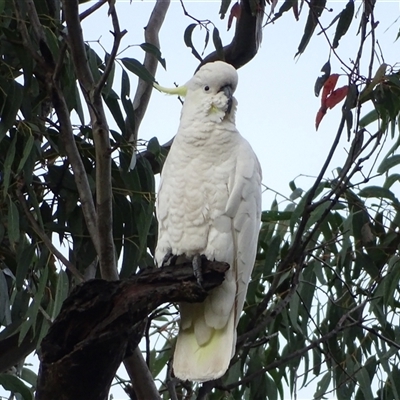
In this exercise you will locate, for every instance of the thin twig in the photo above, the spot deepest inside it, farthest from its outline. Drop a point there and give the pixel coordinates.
(110, 62)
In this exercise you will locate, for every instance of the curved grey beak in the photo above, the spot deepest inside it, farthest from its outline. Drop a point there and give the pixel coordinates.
(227, 89)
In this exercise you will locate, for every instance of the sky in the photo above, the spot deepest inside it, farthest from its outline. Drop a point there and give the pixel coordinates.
(277, 105)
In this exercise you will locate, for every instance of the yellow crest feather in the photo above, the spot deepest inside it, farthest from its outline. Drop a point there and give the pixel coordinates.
(180, 90)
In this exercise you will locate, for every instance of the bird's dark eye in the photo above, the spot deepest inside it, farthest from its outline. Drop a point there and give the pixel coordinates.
(206, 88)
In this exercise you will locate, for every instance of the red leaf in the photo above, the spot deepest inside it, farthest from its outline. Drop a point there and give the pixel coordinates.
(235, 12)
(329, 87)
(320, 114)
(337, 96)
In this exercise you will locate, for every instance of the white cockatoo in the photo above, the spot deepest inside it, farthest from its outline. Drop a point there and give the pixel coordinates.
(209, 203)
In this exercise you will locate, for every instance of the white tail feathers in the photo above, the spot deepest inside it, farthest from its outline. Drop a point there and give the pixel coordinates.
(208, 361)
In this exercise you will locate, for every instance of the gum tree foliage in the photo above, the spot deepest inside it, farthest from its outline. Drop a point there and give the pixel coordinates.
(322, 302)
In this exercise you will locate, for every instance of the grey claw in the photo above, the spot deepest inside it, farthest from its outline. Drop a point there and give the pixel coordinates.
(169, 259)
(197, 272)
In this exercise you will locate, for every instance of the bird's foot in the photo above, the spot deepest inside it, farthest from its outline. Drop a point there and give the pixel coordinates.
(169, 259)
(197, 272)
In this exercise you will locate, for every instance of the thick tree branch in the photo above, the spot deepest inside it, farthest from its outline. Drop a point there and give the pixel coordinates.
(102, 320)
(247, 38)
(77, 46)
(92, 94)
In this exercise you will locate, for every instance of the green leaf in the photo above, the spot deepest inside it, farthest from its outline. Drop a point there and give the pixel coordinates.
(8, 164)
(369, 118)
(272, 254)
(94, 63)
(13, 222)
(115, 109)
(24, 261)
(296, 193)
(343, 25)
(150, 48)
(53, 43)
(78, 105)
(218, 44)
(378, 192)
(26, 153)
(187, 37)
(126, 101)
(390, 180)
(224, 7)
(31, 315)
(322, 386)
(320, 82)
(61, 293)
(110, 79)
(154, 146)
(15, 385)
(138, 69)
(286, 6)
(13, 98)
(388, 163)
(316, 9)
(5, 317)
(29, 376)
(364, 382)
(272, 216)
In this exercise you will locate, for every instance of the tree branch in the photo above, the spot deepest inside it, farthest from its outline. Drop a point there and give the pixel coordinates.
(101, 138)
(144, 89)
(67, 137)
(92, 9)
(247, 38)
(110, 62)
(101, 320)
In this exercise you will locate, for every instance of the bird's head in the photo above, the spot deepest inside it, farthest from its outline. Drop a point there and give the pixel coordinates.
(210, 89)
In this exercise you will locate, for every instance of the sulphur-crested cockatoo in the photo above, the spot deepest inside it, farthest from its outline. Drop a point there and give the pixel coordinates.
(209, 203)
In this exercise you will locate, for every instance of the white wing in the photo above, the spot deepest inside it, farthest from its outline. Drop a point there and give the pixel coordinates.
(244, 207)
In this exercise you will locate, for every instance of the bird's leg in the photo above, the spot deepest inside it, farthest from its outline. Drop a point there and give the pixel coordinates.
(197, 272)
(169, 259)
